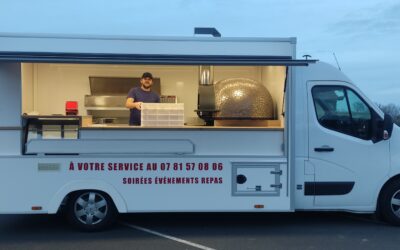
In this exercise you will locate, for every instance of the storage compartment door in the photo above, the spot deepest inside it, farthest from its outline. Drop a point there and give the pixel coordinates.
(255, 179)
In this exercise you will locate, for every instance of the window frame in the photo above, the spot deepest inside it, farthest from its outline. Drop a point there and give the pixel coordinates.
(345, 89)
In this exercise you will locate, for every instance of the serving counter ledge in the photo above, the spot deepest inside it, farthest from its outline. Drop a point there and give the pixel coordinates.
(186, 127)
(56, 119)
(68, 135)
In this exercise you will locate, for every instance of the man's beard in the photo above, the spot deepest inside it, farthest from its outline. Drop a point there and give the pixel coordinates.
(146, 86)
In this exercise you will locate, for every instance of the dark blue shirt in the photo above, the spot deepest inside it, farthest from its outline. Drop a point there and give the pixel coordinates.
(139, 95)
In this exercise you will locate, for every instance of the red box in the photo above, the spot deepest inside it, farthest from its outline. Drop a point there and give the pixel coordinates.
(71, 108)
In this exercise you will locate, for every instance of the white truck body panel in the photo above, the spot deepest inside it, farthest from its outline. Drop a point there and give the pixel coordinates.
(45, 181)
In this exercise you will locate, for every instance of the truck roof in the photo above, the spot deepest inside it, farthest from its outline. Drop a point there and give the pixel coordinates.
(188, 49)
(159, 38)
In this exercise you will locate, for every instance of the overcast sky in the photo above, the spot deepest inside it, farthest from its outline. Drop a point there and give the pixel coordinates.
(364, 34)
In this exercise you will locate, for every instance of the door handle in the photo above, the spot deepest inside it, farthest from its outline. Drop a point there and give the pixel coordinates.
(324, 149)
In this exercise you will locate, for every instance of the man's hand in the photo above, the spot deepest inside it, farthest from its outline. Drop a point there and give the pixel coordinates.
(138, 105)
(131, 104)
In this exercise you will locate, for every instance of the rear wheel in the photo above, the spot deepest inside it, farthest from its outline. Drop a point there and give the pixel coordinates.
(91, 210)
(389, 203)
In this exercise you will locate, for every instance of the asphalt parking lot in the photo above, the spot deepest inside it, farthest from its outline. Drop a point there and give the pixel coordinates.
(204, 231)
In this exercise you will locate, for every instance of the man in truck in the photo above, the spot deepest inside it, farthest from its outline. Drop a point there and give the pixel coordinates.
(137, 96)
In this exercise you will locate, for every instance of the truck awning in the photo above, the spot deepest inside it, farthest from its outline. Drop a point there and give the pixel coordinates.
(242, 60)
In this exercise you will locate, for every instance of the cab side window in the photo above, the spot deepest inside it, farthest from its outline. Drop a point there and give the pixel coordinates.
(340, 109)
(361, 116)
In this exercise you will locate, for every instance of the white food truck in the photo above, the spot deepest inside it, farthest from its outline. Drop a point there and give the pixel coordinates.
(260, 131)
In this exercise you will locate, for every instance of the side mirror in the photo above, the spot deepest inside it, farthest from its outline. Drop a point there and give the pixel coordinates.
(382, 129)
(387, 127)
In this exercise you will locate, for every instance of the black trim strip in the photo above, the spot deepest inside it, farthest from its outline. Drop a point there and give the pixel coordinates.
(61, 154)
(11, 128)
(328, 188)
(151, 59)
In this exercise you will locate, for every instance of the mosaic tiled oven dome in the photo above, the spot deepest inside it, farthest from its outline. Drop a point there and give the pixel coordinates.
(242, 98)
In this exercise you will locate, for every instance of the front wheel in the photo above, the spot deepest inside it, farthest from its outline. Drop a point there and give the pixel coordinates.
(91, 210)
(389, 203)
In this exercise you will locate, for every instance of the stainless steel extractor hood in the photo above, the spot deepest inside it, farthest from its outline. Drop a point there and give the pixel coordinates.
(108, 96)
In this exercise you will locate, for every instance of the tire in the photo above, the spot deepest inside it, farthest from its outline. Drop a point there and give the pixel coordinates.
(91, 210)
(389, 203)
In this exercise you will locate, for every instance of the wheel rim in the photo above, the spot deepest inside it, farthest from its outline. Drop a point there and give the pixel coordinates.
(395, 203)
(90, 208)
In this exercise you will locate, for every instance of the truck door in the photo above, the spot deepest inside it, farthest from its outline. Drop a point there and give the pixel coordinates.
(348, 165)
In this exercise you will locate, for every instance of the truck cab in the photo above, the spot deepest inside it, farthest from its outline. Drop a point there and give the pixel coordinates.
(344, 144)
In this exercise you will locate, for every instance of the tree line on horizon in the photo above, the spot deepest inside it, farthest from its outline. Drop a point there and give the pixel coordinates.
(393, 110)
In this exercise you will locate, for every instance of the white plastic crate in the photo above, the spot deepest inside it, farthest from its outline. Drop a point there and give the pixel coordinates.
(162, 114)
